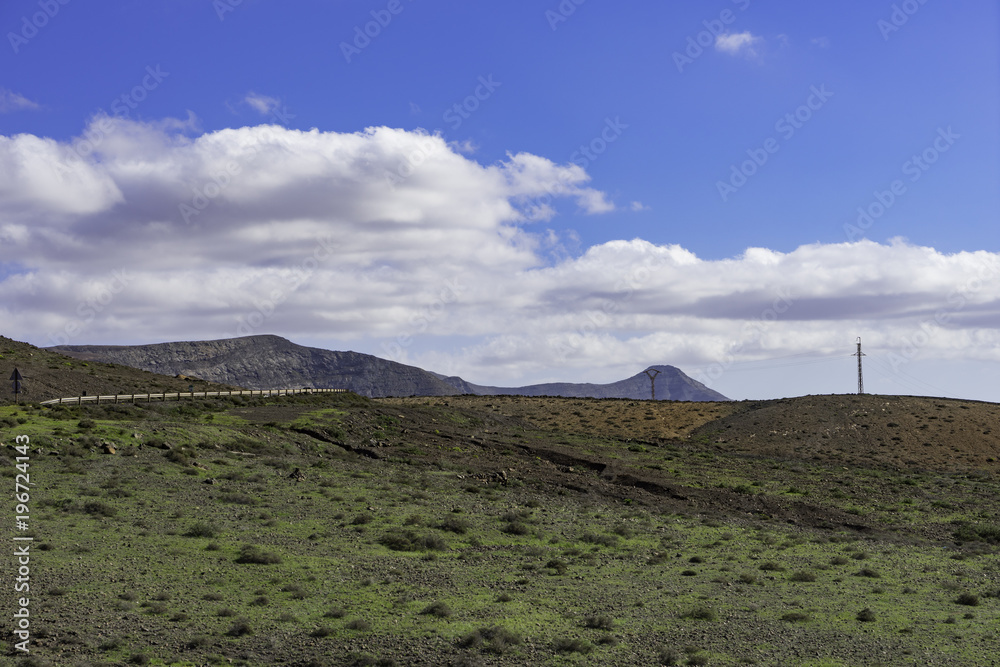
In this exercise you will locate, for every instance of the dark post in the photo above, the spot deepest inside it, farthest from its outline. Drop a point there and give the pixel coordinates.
(15, 379)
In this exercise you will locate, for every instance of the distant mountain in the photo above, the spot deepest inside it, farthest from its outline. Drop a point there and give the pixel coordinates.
(271, 362)
(671, 385)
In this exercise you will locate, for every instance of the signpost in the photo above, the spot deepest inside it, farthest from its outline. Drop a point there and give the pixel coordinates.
(15, 380)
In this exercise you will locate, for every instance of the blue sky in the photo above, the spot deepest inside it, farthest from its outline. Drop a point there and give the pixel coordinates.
(540, 154)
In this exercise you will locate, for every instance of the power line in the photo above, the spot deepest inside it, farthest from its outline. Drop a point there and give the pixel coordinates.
(781, 362)
(904, 378)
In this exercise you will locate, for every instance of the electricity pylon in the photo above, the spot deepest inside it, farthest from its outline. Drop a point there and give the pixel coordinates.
(652, 372)
(859, 354)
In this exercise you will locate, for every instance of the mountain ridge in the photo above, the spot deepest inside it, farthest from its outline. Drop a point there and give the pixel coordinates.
(267, 361)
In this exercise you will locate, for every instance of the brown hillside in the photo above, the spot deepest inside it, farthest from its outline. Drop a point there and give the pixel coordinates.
(621, 418)
(897, 431)
(868, 430)
(50, 375)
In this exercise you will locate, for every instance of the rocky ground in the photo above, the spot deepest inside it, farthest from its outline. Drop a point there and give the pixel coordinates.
(336, 530)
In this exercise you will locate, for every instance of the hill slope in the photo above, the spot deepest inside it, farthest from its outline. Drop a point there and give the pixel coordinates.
(271, 362)
(671, 385)
(504, 531)
(48, 374)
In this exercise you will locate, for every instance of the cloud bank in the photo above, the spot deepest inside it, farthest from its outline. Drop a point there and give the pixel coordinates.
(397, 243)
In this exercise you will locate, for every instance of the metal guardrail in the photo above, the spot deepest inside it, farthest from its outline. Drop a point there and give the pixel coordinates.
(132, 398)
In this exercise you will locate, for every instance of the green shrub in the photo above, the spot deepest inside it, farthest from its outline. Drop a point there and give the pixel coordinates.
(240, 628)
(970, 533)
(795, 617)
(557, 565)
(573, 645)
(700, 613)
(866, 616)
(439, 609)
(203, 529)
(97, 508)
(252, 554)
(454, 525)
(496, 640)
(516, 528)
(358, 624)
(409, 540)
(668, 656)
(602, 540)
(599, 622)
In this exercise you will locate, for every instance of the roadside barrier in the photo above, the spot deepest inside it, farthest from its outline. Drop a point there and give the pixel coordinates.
(132, 398)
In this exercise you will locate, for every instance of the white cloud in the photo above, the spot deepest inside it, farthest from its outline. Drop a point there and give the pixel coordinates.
(638, 206)
(821, 42)
(738, 43)
(11, 101)
(303, 234)
(262, 104)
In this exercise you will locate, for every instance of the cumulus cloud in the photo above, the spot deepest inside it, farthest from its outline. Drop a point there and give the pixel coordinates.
(738, 43)
(397, 243)
(11, 101)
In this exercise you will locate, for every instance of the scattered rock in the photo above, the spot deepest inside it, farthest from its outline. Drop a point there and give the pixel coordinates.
(297, 475)
(499, 477)
(108, 448)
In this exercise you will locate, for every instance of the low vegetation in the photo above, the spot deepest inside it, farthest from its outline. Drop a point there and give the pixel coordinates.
(334, 530)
